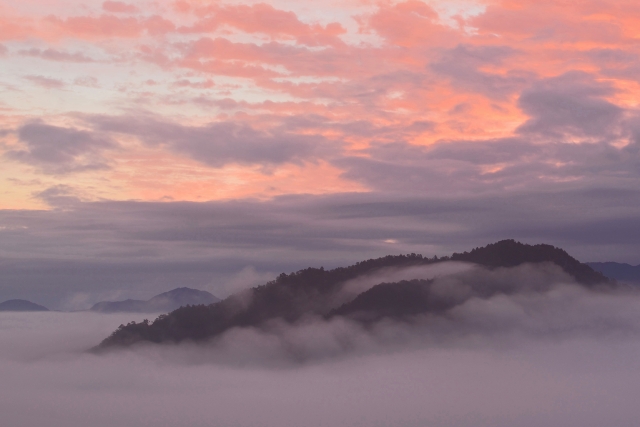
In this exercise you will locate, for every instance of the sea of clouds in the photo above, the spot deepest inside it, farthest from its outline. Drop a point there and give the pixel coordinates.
(552, 354)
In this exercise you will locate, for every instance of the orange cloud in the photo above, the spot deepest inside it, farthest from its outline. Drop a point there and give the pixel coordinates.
(15, 27)
(264, 18)
(411, 24)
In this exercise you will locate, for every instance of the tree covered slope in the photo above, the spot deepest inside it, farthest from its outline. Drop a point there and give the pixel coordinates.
(313, 291)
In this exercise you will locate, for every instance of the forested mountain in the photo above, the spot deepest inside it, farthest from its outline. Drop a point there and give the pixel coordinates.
(314, 291)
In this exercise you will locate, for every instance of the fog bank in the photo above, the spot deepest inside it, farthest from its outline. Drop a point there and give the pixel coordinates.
(557, 356)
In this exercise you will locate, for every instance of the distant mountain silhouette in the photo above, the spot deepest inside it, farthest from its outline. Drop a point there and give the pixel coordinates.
(21, 305)
(164, 302)
(618, 271)
(313, 291)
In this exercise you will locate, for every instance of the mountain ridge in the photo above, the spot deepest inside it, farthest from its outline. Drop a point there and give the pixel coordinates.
(311, 291)
(618, 271)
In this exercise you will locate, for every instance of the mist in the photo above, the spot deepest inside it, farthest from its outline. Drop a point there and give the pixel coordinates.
(362, 283)
(548, 352)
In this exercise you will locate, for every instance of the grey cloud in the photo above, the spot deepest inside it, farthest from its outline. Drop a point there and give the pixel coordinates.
(616, 63)
(46, 82)
(59, 150)
(58, 196)
(607, 56)
(371, 91)
(361, 128)
(496, 165)
(56, 55)
(3, 49)
(632, 129)
(148, 248)
(462, 64)
(87, 81)
(572, 104)
(218, 144)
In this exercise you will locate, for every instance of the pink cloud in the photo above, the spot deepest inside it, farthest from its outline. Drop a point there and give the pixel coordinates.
(541, 22)
(363, 74)
(46, 82)
(56, 55)
(264, 18)
(111, 26)
(206, 84)
(411, 24)
(15, 27)
(119, 7)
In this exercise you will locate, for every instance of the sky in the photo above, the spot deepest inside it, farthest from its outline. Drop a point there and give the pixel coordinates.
(150, 145)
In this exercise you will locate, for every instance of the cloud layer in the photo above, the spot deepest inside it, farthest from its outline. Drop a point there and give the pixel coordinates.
(539, 356)
(137, 250)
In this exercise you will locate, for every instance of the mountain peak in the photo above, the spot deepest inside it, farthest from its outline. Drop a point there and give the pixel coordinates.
(510, 253)
(21, 305)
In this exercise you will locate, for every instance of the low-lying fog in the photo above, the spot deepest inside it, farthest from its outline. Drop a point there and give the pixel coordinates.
(560, 356)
